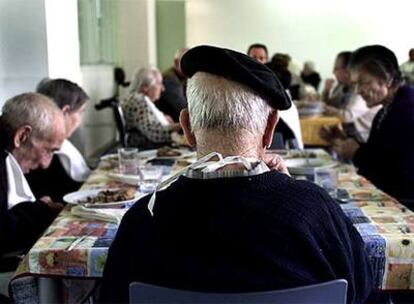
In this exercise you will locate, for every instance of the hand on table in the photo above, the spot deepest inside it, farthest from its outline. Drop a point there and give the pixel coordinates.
(330, 133)
(346, 148)
(51, 204)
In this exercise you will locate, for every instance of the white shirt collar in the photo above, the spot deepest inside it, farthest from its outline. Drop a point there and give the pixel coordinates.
(73, 162)
(18, 188)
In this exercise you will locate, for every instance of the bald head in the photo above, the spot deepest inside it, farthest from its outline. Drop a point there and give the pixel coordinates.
(34, 129)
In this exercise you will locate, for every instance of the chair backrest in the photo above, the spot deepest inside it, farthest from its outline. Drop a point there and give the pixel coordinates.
(118, 117)
(120, 124)
(328, 292)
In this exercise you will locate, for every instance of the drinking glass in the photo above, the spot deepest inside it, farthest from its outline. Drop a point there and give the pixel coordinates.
(128, 161)
(327, 178)
(150, 177)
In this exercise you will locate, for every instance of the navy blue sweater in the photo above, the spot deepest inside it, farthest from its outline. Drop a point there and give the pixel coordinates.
(387, 159)
(236, 235)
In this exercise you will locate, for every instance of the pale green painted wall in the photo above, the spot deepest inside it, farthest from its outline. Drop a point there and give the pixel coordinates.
(171, 30)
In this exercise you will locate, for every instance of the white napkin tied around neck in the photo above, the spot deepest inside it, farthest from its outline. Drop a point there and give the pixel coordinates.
(205, 165)
(18, 188)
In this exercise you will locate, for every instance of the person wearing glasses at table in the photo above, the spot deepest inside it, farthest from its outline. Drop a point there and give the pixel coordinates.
(386, 159)
(229, 223)
(32, 128)
(68, 169)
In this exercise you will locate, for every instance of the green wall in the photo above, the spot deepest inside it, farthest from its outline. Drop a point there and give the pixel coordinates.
(171, 31)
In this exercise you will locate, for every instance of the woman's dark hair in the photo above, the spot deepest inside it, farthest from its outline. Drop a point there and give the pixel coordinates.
(279, 65)
(63, 92)
(378, 61)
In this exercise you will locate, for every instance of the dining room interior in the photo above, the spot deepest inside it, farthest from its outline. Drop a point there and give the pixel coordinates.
(338, 74)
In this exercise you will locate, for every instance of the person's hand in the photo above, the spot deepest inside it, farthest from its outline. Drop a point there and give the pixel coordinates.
(169, 119)
(346, 148)
(276, 163)
(329, 83)
(175, 127)
(51, 204)
(331, 111)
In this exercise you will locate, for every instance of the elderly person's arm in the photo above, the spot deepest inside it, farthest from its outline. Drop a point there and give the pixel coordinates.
(23, 224)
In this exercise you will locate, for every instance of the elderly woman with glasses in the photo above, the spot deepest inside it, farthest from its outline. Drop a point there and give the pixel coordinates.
(147, 126)
(387, 157)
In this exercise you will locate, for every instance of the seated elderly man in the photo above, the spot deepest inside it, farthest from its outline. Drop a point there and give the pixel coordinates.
(229, 224)
(32, 128)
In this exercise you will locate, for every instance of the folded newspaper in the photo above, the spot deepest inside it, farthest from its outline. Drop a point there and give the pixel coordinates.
(103, 214)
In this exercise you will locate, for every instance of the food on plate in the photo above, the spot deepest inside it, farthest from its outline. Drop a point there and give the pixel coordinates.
(167, 151)
(301, 154)
(108, 196)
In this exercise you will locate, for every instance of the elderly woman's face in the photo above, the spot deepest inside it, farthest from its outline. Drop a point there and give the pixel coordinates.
(373, 89)
(154, 91)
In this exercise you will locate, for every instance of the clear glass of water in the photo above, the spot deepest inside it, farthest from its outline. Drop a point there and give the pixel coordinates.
(150, 177)
(128, 161)
(327, 178)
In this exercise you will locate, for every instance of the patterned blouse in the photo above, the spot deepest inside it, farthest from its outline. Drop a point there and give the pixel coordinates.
(146, 125)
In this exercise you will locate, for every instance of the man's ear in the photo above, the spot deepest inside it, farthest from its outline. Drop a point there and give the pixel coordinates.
(185, 124)
(270, 128)
(22, 135)
(66, 109)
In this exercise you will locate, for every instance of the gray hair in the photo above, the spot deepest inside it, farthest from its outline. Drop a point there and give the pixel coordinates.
(216, 103)
(143, 77)
(32, 109)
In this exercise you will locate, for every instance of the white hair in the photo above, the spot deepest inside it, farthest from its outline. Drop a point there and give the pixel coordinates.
(143, 77)
(219, 104)
(33, 109)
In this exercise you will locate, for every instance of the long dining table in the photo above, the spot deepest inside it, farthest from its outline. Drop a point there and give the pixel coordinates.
(70, 255)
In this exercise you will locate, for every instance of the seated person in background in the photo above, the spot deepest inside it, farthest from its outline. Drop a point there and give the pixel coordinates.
(288, 133)
(234, 225)
(344, 102)
(148, 126)
(32, 128)
(68, 169)
(386, 159)
(407, 68)
(309, 75)
(259, 52)
(173, 99)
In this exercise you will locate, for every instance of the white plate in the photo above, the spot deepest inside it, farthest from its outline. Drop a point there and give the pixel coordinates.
(153, 154)
(123, 178)
(75, 197)
(303, 166)
(113, 156)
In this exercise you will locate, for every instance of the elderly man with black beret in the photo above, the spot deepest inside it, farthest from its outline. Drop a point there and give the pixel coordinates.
(229, 223)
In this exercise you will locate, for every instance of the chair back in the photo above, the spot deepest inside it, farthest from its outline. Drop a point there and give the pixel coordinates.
(331, 292)
(119, 118)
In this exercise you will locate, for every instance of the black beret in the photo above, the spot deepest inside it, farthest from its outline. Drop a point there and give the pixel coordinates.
(239, 68)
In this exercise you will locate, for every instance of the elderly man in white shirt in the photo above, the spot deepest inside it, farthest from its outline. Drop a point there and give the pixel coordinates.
(32, 129)
(342, 100)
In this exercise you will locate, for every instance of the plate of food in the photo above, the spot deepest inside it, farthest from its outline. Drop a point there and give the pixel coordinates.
(167, 153)
(307, 166)
(103, 197)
